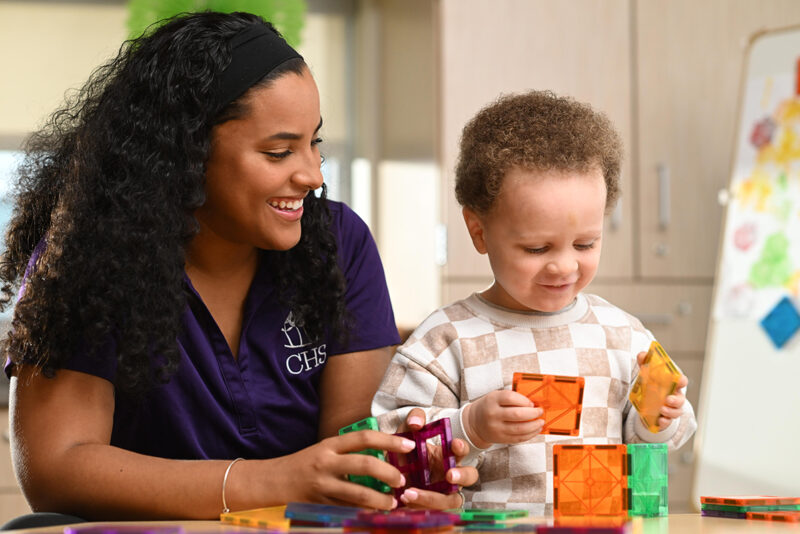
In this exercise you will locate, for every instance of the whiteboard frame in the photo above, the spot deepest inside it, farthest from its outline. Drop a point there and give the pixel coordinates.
(748, 435)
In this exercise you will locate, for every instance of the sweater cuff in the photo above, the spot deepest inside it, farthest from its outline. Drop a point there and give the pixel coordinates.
(457, 430)
(655, 437)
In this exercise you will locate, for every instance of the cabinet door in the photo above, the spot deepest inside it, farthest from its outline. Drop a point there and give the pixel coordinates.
(578, 48)
(690, 57)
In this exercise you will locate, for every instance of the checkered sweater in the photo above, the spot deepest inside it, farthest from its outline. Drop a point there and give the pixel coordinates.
(469, 348)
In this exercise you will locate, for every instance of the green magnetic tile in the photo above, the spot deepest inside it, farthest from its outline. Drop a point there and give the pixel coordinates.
(486, 515)
(369, 423)
(764, 508)
(648, 479)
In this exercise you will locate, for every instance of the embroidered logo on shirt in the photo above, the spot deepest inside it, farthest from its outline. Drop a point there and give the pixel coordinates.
(304, 360)
(295, 335)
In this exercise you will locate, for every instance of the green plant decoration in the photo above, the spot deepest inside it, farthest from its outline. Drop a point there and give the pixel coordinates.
(286, 15)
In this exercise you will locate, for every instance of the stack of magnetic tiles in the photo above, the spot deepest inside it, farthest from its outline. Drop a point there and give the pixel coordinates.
(609, 481)
(764, 507)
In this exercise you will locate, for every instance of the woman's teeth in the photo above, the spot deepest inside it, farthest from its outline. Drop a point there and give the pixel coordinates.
(291, 205)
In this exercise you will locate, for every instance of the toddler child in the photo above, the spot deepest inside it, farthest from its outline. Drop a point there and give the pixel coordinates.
(536, 175)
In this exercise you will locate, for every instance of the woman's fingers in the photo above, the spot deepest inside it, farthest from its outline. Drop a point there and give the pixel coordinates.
(415, 419)
(462, 475)
(340, 491)
(370, 439)
(417, 498)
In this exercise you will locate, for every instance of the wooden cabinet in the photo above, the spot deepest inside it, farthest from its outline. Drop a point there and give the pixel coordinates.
(578, 48)
(689, 58)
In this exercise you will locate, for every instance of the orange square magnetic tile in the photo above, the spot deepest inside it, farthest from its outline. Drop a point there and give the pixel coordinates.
(590, 480)
(561, 398)
(777, 515)
(658, 379)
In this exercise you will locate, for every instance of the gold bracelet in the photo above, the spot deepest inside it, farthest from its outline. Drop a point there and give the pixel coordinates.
(225, 508)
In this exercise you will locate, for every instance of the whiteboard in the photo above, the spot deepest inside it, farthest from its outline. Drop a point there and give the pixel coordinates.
(748, 437)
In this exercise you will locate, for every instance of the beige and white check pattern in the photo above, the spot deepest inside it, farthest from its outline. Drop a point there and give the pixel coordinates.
(469, 348)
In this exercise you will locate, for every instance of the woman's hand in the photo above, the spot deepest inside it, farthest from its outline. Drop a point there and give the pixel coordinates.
(460, 475)
(319, 473)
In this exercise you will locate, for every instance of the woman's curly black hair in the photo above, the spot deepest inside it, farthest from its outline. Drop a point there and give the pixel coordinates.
(110, 185)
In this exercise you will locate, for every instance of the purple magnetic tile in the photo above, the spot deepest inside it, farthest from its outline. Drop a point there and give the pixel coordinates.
(321, 524)
(720, 513)
(415, 465)
(407, 519)
(328, 514)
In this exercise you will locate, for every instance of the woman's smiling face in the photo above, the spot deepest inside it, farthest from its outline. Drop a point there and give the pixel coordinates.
(262, 165)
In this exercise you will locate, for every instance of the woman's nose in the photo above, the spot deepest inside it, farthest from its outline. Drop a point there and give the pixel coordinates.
(309, 173)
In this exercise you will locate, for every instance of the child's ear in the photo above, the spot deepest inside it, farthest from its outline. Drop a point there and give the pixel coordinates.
(475, 229)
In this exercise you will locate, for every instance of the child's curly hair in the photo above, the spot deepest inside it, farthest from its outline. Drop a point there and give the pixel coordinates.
(538, 131)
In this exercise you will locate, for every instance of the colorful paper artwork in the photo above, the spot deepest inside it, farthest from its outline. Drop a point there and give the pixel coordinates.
(761, 263)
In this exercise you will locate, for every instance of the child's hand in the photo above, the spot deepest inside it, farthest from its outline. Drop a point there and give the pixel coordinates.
(673, 405)
(502, 417)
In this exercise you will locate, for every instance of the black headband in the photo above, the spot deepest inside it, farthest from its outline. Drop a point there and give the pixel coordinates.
(255, 52)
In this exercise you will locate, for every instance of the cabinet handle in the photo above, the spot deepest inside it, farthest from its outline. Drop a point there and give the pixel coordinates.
(663, 196)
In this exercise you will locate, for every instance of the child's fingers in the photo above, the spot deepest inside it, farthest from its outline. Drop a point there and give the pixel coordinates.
(519, 415)
(683, 381)
(506, 397)
(640, 357)
(675, 401)
(670, 413)
(525, 430)
(664, 422)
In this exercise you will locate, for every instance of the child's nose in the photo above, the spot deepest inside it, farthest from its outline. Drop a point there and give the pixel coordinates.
(563, 263)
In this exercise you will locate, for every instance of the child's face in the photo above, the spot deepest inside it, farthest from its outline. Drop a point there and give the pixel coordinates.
(543, 237)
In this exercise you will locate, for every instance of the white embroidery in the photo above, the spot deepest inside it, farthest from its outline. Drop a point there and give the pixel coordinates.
(295, 336)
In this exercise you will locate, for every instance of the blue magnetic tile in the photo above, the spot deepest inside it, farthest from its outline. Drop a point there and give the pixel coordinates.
(330, 514)
(782, 322)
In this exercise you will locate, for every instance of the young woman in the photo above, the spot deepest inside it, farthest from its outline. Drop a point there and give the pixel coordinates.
(192, 317)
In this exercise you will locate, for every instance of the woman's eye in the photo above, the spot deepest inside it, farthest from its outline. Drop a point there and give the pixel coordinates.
(316, 141)
(278, 155)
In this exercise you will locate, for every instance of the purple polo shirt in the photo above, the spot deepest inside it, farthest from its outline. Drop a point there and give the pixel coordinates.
(265, 403)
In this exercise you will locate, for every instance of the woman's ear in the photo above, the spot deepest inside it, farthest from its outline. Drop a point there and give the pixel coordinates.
(475, 227)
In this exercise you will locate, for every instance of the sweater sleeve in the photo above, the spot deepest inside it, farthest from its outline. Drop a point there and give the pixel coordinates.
(424, 374)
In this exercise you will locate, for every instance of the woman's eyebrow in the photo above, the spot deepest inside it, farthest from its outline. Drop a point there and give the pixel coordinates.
(292, 136)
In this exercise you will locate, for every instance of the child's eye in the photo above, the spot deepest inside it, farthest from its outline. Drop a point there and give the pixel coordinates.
(278, 155)
(585, 246)
(539, 250)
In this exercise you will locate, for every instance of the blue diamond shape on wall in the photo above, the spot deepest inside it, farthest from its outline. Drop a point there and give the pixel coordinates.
(782, 322)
